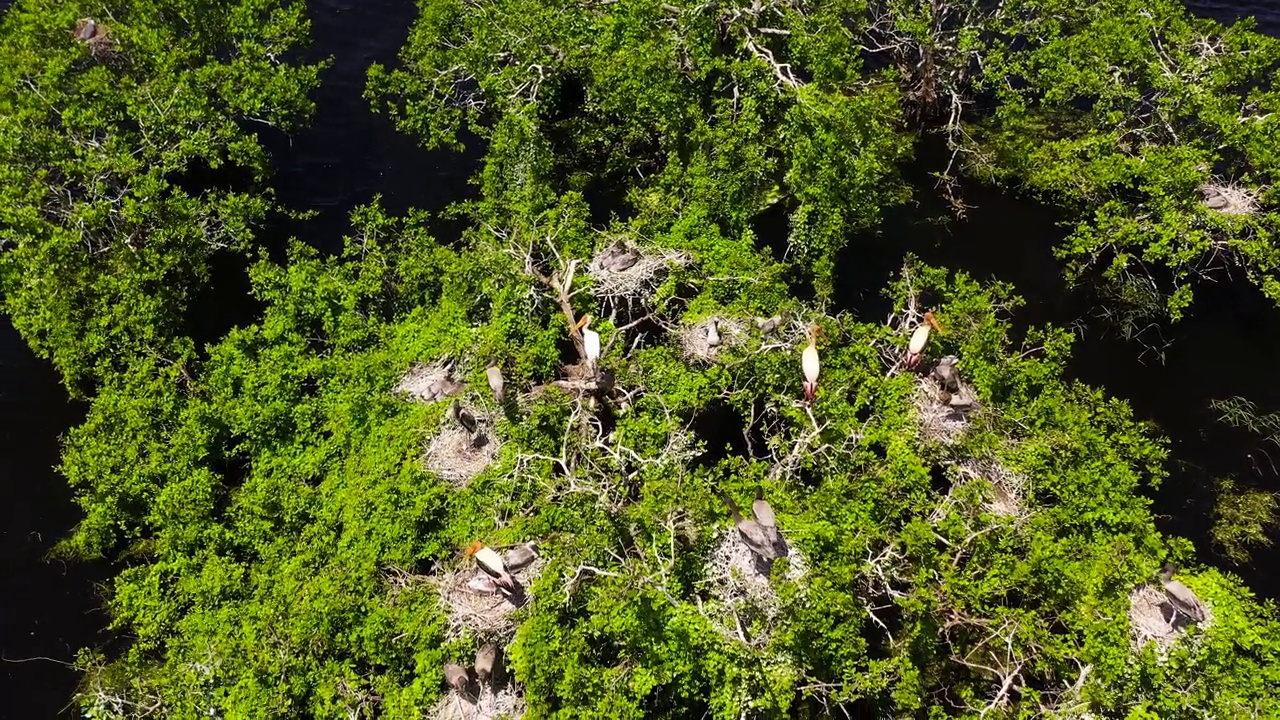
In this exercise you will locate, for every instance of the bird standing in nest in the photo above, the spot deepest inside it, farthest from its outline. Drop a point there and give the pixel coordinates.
(1180, 596)
(486, 659)
(769, 326)
(491, 562)
(809, 364)
(764, 516)
(758, 538)
(920, 338)
(464, 417)
(713, 333)
(946, 374)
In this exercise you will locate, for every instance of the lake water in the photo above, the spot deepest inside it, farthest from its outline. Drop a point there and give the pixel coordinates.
(48, 610)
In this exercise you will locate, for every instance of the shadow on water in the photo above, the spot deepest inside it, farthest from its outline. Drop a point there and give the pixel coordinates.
(1226, 347)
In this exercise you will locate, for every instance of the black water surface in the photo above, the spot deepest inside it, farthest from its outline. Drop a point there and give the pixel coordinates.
(48, 610)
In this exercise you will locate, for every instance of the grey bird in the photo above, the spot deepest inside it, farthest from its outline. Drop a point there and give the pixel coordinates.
(713, 333)
(1180, 596)
(442, 388)
(482, 584)
(764, 516)
(457, 677)
(1213, 198)
(618, 257)
(769, 326)
(464, 417)
(520, 556)
(494, 374)
(758, 538)
(486, 659)
(946, 374)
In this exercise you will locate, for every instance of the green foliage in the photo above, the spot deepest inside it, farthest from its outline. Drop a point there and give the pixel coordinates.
(127, 161)
(1121, 111)
(1242, 518)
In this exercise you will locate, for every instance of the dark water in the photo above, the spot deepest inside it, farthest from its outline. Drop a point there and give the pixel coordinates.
(349, 155)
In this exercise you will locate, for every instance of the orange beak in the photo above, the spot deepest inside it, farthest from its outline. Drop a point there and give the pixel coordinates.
(928, 317)
(582, 323)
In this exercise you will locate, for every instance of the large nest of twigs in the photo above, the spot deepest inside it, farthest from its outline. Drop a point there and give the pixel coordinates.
(505, 701)
(640, 280)
(1007, 495)
(1229, 198)
(695, 341)
(940, 419)
(1152, 618)
(481, 613)
(428, 383)
(457, 456)
(737, 581)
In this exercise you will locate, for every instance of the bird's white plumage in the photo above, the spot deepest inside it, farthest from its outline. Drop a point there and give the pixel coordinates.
(491, 561)
(713, 333)
(918, 339)
(809, 363)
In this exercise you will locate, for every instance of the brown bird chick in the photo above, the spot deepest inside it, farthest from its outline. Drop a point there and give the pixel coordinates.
(457, 677)
(618, 258)
(1181, 597)
(464, 417)
(757, 538)
(946, 374)
(486, 660)
(769, 326)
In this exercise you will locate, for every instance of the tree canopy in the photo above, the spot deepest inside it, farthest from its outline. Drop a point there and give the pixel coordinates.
(293, 507)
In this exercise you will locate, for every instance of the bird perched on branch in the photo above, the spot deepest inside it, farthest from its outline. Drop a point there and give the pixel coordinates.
(457, 677)
(769, 326)
(590, 341)
(491, 562)
(809, 364)
(520, 556)
(757, 537)
(1180, 596)
(486, 659)
(920, 338)
(494, 375)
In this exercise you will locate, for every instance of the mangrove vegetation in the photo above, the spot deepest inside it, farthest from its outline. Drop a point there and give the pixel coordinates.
(604, 439)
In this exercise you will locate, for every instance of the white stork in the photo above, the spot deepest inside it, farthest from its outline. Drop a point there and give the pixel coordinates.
(590, 341)
(491, 562)
(920, 338)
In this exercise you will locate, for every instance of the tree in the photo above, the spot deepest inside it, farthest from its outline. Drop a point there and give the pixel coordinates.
(129, 156)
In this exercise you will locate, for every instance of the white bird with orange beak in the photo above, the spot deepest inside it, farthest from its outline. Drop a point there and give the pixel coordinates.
(491, 562)
(809, 364)
(920, 338)
(590, 341)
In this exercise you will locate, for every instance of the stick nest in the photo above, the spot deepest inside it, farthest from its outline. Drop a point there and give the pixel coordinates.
(506, 701)
(738, 583)
(637, 282)
(482, 614)
(695, 346)
(428, 383)
(1152, 618)
(940, 421)
(1008, 492)
(457, 456)
(1229, 198)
